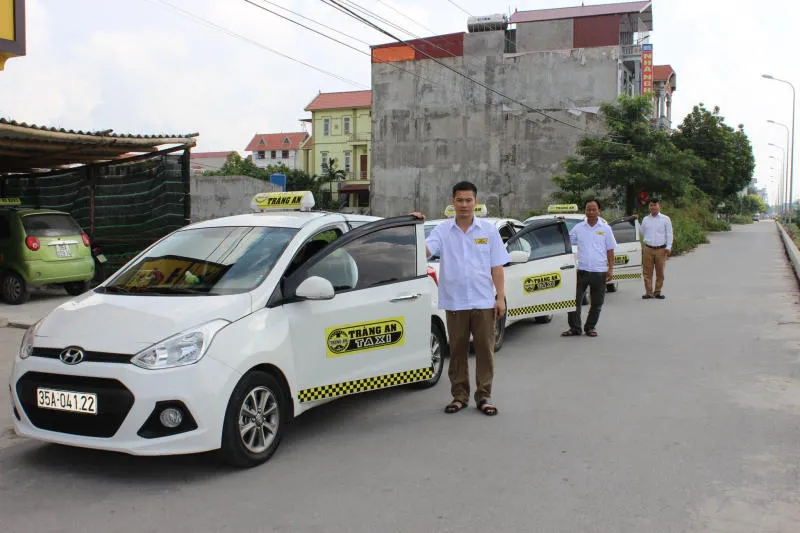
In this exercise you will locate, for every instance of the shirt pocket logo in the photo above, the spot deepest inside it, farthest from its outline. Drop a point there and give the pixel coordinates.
(601, 232)
(481, 241)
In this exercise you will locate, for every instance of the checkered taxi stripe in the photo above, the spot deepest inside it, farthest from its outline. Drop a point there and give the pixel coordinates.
(637, 275)
(552, 306)
(363, 385)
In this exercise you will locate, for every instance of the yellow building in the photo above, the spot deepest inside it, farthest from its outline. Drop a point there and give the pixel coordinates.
(341, 129)
(12, 30)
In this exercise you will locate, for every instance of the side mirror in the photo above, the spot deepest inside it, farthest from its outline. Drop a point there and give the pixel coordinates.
(518, 256)
(315, 288)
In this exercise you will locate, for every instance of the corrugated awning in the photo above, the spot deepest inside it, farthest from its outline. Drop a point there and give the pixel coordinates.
(29, 149)
(354, 187)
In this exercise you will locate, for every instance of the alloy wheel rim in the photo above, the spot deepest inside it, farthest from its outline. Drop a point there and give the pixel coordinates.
(259, 419)
(13, 287)
(436, 354)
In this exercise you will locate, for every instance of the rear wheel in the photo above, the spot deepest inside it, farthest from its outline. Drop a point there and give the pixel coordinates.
(438, 353)
(611, 287)
(14, 289)
(74, 288)
(254, 419)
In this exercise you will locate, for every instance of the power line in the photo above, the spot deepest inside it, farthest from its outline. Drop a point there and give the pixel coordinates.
(295, 13)
(337, 5)
(397, 67)
(461, 8)
(406, 16)
(231, 33)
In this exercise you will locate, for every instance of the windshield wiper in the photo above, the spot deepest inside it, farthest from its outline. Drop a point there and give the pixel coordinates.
(115, 289)
(172, 290)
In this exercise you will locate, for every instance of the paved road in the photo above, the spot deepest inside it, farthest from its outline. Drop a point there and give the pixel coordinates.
(682, 416)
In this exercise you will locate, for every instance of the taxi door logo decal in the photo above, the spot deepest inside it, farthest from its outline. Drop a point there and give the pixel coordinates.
(541, 282)
(364, 336)
(621, 260)
(481, 241)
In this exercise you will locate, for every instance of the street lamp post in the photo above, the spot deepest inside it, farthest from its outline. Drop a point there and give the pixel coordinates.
(784, 186)
(783, 169)
(791, 169)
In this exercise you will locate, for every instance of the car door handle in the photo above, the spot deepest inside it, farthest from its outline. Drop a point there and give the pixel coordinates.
(406, 298)
(567, 267)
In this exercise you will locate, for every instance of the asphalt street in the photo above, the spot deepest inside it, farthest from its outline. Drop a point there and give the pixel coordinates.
(682, 416)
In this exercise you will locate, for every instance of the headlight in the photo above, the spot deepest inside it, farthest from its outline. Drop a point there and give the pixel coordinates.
(182, 349)
(26, 346)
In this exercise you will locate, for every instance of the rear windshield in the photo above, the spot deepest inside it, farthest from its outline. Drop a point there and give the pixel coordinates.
(205, 261)
(50, 225)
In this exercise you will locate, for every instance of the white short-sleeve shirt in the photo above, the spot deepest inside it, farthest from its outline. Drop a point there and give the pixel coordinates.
(465, 264)
(593, 244)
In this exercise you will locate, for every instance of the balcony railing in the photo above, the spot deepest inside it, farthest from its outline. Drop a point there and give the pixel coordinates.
(631, 52)
(359, 138)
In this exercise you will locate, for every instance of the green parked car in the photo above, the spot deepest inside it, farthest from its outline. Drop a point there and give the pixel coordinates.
(41, 247)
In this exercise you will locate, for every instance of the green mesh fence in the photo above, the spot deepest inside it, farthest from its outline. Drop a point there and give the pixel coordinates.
(134, 203)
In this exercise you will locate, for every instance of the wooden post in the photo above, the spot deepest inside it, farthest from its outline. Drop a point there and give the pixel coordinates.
(187, 186)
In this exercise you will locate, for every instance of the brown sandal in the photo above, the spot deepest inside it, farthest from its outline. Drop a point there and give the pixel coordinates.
(487, 408)
(571, 333)
(454, 406)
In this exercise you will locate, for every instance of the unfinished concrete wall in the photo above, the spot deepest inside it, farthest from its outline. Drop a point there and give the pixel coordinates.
(545, 35)
(432, 127)
(222, 196)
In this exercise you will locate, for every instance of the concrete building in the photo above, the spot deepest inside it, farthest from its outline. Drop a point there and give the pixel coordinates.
(553, 68)
(202, 162)
(277, 149)
(666, 83)
(341, 127)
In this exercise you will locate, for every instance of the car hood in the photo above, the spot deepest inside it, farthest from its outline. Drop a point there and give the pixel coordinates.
(127, 324)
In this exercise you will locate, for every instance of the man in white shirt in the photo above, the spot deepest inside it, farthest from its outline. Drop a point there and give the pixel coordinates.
(596, 245)
(472, 256)
(656, 229)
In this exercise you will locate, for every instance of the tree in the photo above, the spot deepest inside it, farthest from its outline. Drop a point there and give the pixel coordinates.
(727, 155)
(632, 156)
(752, 204)
(235, 165)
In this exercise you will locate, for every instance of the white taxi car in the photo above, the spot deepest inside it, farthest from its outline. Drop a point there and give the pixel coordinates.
(627, 256)
(540, 280)
(221, 332)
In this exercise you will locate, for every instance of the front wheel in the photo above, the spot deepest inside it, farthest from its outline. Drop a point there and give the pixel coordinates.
(75, 288)
(438, 352)
(611, 287)
(253, 424)
(546, 319)
(499, 333)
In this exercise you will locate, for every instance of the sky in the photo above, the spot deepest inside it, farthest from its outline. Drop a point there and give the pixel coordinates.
(183, 66)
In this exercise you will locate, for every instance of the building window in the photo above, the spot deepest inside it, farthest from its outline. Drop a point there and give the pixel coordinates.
(285, 154)
(326, 126)
(272, 154)
(347, 159)
(261, 154)
(346, 125)
(324, 157)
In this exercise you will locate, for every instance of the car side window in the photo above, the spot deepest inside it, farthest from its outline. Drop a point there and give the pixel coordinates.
(5, 227)
(624, 231)
(506, 232)
(384, 256)
(547, 241)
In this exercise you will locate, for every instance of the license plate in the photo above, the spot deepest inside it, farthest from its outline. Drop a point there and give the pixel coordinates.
(62, 400)
(62, 250)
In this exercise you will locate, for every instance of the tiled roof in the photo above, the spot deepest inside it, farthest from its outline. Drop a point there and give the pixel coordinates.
(100, 133)
(578, 11)
(341, 100)
(662, 72)
(275, 141)
(308, 144)
(202, 155)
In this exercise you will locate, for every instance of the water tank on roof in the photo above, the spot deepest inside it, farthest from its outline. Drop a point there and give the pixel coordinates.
(487, 23)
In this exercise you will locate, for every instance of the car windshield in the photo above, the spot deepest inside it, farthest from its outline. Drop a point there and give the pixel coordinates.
(50, 225)
(205, 261)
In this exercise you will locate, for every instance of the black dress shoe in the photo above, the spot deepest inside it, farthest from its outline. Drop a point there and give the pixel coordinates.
(646, 296)
(659, 296)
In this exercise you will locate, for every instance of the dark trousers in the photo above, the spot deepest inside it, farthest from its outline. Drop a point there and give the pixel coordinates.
(596, 281)
(479, 322)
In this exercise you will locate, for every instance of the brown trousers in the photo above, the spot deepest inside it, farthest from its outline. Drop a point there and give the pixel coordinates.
(653, 257)
(479, 322)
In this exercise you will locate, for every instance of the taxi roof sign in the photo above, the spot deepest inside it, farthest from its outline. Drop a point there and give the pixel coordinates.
(282, 201)
(480, 210)
(562, 208)
(10, 201)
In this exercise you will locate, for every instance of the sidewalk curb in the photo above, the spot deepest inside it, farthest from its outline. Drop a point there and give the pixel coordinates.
(791, 250)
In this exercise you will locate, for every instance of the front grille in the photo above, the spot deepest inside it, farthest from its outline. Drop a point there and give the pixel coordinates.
(95, 357)
(114, 401)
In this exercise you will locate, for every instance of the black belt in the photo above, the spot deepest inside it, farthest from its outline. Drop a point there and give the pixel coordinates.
(656, 247)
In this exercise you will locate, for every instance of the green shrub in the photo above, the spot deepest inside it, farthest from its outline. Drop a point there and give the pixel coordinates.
(717, 225)
(687, 232)
(741, 219)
